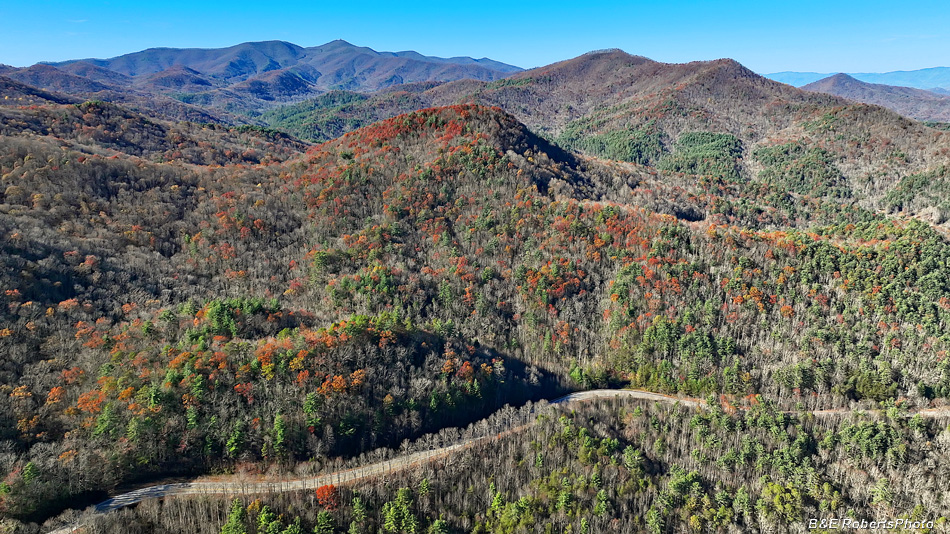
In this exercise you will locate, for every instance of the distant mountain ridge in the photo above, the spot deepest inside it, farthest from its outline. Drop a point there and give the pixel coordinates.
(250, 77)
(247, 59)
(927, 79)
(337, 64)
(234, 61)
(915, 103)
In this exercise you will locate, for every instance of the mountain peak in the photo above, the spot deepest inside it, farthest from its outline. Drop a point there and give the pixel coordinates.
(841, 78)
(611, 53)
(609, 59)
(835, 84)
(340, 45)
(733, 67)
(604, 51)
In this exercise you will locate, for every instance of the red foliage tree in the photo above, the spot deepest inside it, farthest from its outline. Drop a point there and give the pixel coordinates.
(328, 497)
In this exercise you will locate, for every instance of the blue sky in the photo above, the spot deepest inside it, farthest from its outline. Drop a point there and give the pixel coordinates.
(822, 36)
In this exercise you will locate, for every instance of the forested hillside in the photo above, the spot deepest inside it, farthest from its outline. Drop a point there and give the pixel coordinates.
(187, 298)
(614, 105)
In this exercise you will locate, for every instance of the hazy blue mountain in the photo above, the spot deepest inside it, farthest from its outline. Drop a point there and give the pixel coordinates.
(337, 64)
(935, 77)
(239, 61)
(921, 79)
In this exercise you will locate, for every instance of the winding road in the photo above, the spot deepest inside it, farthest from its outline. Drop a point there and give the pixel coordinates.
(242, 487)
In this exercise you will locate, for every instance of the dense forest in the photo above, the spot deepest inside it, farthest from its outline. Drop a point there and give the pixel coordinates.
(185, 299)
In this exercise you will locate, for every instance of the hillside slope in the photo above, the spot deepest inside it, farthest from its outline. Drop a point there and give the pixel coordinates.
(45, 79)
(14, 93)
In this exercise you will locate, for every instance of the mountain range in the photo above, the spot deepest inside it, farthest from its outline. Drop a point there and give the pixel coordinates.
(606, 103)
(931, 78)
(247, 60)
(235, 85)
(248, 77)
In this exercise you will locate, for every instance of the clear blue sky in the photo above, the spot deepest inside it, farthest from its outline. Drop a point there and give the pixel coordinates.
(807, 35)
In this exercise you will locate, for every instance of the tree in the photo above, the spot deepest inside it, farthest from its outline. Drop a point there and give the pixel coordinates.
(328, 497)
(325, 523)
(235, 524)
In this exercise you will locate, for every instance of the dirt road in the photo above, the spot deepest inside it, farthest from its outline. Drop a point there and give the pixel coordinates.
(249, 487)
